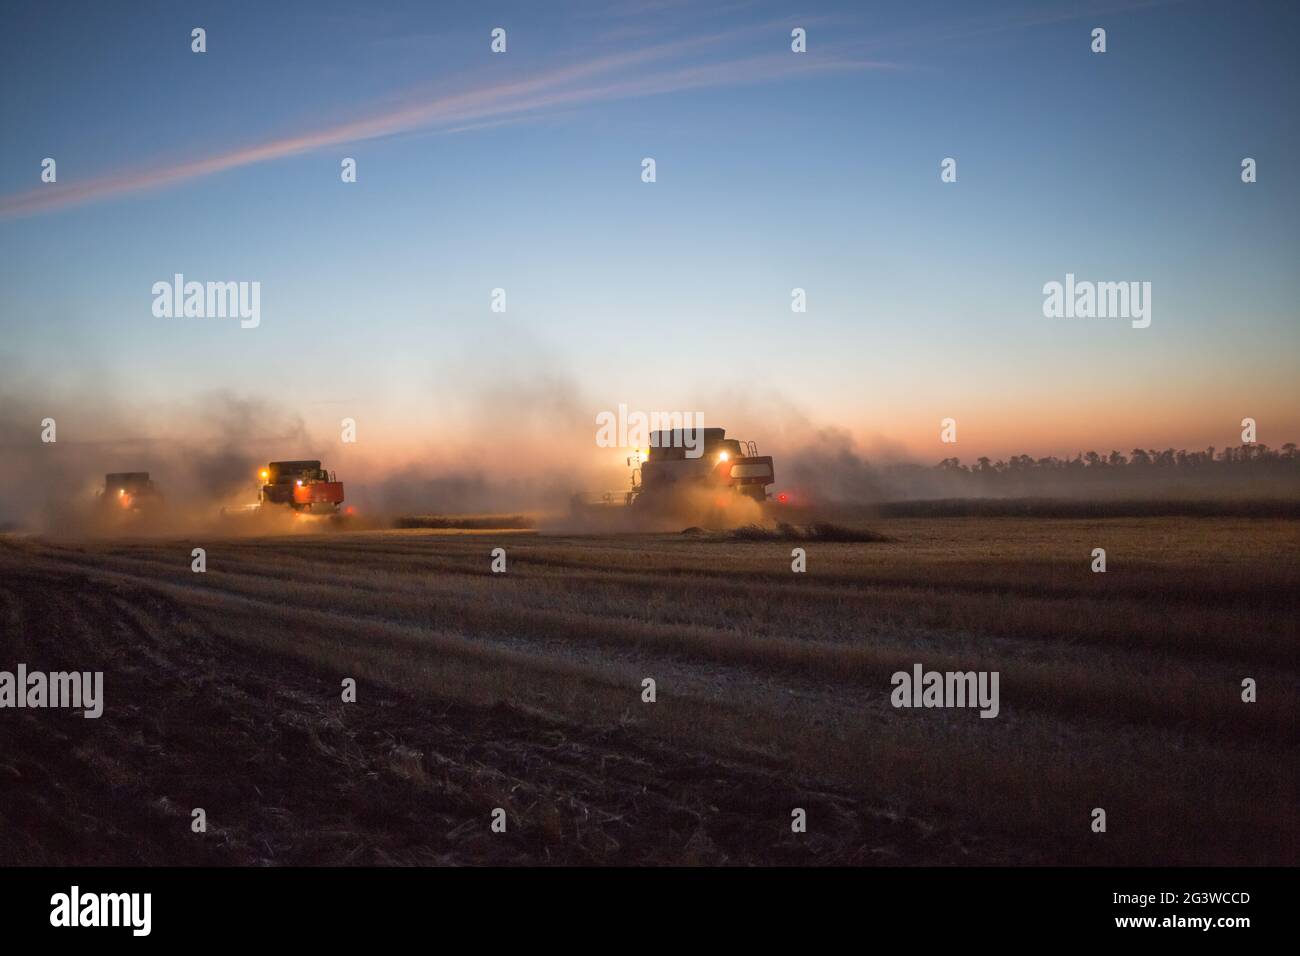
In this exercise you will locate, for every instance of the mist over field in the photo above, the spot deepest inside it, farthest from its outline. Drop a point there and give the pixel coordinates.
(528, 445)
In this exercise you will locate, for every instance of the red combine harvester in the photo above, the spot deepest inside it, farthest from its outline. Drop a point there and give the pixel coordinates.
(301, 485)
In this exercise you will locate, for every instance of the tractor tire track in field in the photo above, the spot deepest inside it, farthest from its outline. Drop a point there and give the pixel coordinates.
(485, 609)
(522, 691)
(287, 774)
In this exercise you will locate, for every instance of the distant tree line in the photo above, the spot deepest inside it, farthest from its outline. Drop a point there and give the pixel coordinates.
(1250, 471)
(1257, 457)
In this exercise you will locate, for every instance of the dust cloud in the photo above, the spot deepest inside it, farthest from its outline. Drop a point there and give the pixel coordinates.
(511, 442)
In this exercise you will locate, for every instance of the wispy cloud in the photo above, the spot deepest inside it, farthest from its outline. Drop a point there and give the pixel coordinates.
(649, 71)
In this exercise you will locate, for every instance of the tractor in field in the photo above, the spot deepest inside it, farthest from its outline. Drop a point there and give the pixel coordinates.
(303, 486)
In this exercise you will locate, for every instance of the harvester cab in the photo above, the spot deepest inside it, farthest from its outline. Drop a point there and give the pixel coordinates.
(303, 486)
(129, 490)
(678, 462)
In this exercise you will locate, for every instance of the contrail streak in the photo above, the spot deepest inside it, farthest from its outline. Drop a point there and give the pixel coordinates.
(580, 84)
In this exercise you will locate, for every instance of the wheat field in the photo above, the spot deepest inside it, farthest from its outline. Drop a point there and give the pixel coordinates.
(524, 690)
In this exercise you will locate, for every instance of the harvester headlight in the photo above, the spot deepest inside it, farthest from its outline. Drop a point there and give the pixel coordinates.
(299, 482)
(121, 492)
(723, 456)
(264, 473)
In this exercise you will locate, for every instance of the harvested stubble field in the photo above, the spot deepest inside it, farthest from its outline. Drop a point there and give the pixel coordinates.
(523, 690)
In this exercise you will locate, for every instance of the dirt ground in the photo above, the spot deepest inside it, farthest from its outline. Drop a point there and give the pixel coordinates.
(523, 690)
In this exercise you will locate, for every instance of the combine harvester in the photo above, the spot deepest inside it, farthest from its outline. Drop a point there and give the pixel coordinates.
(129, 502)
(727, 483)
(302, 489)
(304, 486)
(726, 467)
(129, 491)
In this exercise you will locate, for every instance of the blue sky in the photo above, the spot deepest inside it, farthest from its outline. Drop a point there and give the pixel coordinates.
(775, 170)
